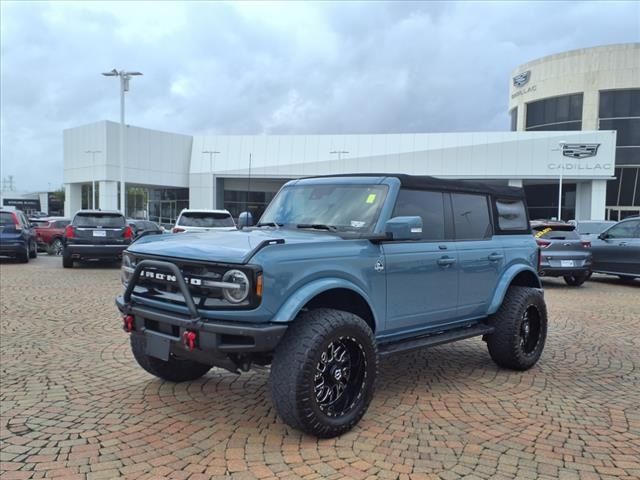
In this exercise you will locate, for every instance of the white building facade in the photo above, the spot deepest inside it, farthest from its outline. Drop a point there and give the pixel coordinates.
(165, 172)
(589, 89)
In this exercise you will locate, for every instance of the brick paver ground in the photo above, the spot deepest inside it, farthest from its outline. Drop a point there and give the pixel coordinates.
(75, 404)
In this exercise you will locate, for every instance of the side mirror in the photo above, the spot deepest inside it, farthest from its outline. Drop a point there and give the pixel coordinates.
(404, 228)
(603, 236)
(245, 219)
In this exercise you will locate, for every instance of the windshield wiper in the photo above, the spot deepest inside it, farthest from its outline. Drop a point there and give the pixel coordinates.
(270, 224)
(317, 226)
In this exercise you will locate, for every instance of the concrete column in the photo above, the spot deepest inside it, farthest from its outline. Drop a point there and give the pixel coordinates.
(201, 190)
(598, 199)
(515, 183)
(590, 106)
(583, 201)
(108, 196)
(72, 199)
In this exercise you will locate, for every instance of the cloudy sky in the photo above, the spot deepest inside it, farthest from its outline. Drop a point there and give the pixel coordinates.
(348, 67)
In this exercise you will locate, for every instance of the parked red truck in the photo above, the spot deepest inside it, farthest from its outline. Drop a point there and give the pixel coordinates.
(49, 234)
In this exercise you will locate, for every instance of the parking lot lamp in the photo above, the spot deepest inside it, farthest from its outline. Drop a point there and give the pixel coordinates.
(124, 87)
(561, 145)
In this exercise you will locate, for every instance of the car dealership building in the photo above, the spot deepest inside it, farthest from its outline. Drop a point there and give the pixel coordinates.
(165, 172)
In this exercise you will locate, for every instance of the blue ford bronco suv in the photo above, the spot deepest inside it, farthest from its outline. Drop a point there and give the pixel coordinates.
(339, 272)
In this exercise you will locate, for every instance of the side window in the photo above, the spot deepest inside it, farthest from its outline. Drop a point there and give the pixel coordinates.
(61, 223)
(630, 229)
(511, 215)
(427, 205)
(471, 218)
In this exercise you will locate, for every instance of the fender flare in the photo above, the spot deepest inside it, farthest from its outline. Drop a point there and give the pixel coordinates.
(505, 283)
(296, 301)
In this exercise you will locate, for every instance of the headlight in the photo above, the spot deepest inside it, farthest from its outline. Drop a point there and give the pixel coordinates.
(240, 291)
(128, 266)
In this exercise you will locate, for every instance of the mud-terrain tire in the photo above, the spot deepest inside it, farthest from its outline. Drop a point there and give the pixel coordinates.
(67, 261)
(174, 370)
(323, 372)
(520, 329)
(576, 280)
(33, 253)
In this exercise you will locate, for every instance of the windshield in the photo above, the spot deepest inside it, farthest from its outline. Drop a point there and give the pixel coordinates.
(6, 218)
(109, 220)
(206, 219)
(593, 227)
(345, 207)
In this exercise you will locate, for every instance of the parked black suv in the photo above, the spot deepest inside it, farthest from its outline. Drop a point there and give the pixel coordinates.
(96, 235)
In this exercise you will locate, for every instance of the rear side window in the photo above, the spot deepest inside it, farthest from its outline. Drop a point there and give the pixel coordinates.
(108, 220)
(427, 205)
(6, 218)
(628, 229)
(61, 223)
(550, 232)
(206, 219)
(471, 217)
(512, 215)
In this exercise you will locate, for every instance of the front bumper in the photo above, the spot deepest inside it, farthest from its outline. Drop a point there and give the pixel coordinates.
(213, 337)
(95, 252)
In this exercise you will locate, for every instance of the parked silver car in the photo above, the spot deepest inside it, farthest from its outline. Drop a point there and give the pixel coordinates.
(562, 252)
(616, 251)
(590, 229)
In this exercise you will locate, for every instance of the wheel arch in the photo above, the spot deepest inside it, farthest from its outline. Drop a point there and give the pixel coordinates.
(518, 276)
(329, 293)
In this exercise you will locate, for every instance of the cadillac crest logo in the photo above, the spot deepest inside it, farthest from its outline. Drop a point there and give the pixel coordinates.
(580, 150)
(521, 79)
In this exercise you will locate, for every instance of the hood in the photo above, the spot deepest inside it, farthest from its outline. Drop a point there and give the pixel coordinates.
(237, 246)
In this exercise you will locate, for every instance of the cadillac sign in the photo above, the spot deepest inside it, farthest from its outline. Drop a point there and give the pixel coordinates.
(521, 79)
(580, 150)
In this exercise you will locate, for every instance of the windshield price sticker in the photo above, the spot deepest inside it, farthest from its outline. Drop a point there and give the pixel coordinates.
(371, 198)
(542, 232)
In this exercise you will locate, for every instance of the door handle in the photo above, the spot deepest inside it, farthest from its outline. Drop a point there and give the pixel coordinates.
(623, 244)
(446, 261)
(494, 257)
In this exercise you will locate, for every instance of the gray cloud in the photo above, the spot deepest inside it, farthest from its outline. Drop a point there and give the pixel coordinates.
(350, 67)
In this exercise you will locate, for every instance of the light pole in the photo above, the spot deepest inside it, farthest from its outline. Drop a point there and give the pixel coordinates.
(93, 176)
(339, 153)
(211, 154)
(561, 145)
(124, 87)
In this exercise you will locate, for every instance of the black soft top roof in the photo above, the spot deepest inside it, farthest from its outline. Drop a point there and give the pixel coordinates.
(425, 182)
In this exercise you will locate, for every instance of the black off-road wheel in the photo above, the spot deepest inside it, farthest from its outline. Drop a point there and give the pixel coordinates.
(520, 329)
(576, 280)
(173, 370)
(67, 261)
(33, 253)
(323, 372)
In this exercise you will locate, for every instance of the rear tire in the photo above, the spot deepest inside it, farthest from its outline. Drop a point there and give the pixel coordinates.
(323, 372)
(174, 370)
(23, 257)
(56, 247)
(67, 261)
(520, 329)
(576, 280)
(33, 253)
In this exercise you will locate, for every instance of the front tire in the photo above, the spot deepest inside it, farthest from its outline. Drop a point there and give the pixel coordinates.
(323, 372)
(174, 370)
(576, 280)
(520, 329)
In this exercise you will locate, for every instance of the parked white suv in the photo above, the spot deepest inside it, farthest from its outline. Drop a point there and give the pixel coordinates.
(203, 220)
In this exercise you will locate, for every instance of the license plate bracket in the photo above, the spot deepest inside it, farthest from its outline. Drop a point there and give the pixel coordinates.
(157, 346)
(99, 233)
(567, 263)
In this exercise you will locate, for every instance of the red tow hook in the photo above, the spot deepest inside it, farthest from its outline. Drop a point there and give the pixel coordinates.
(189, 339)
(128, 323)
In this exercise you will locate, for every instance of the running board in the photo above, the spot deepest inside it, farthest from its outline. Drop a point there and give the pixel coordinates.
(433, 339)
